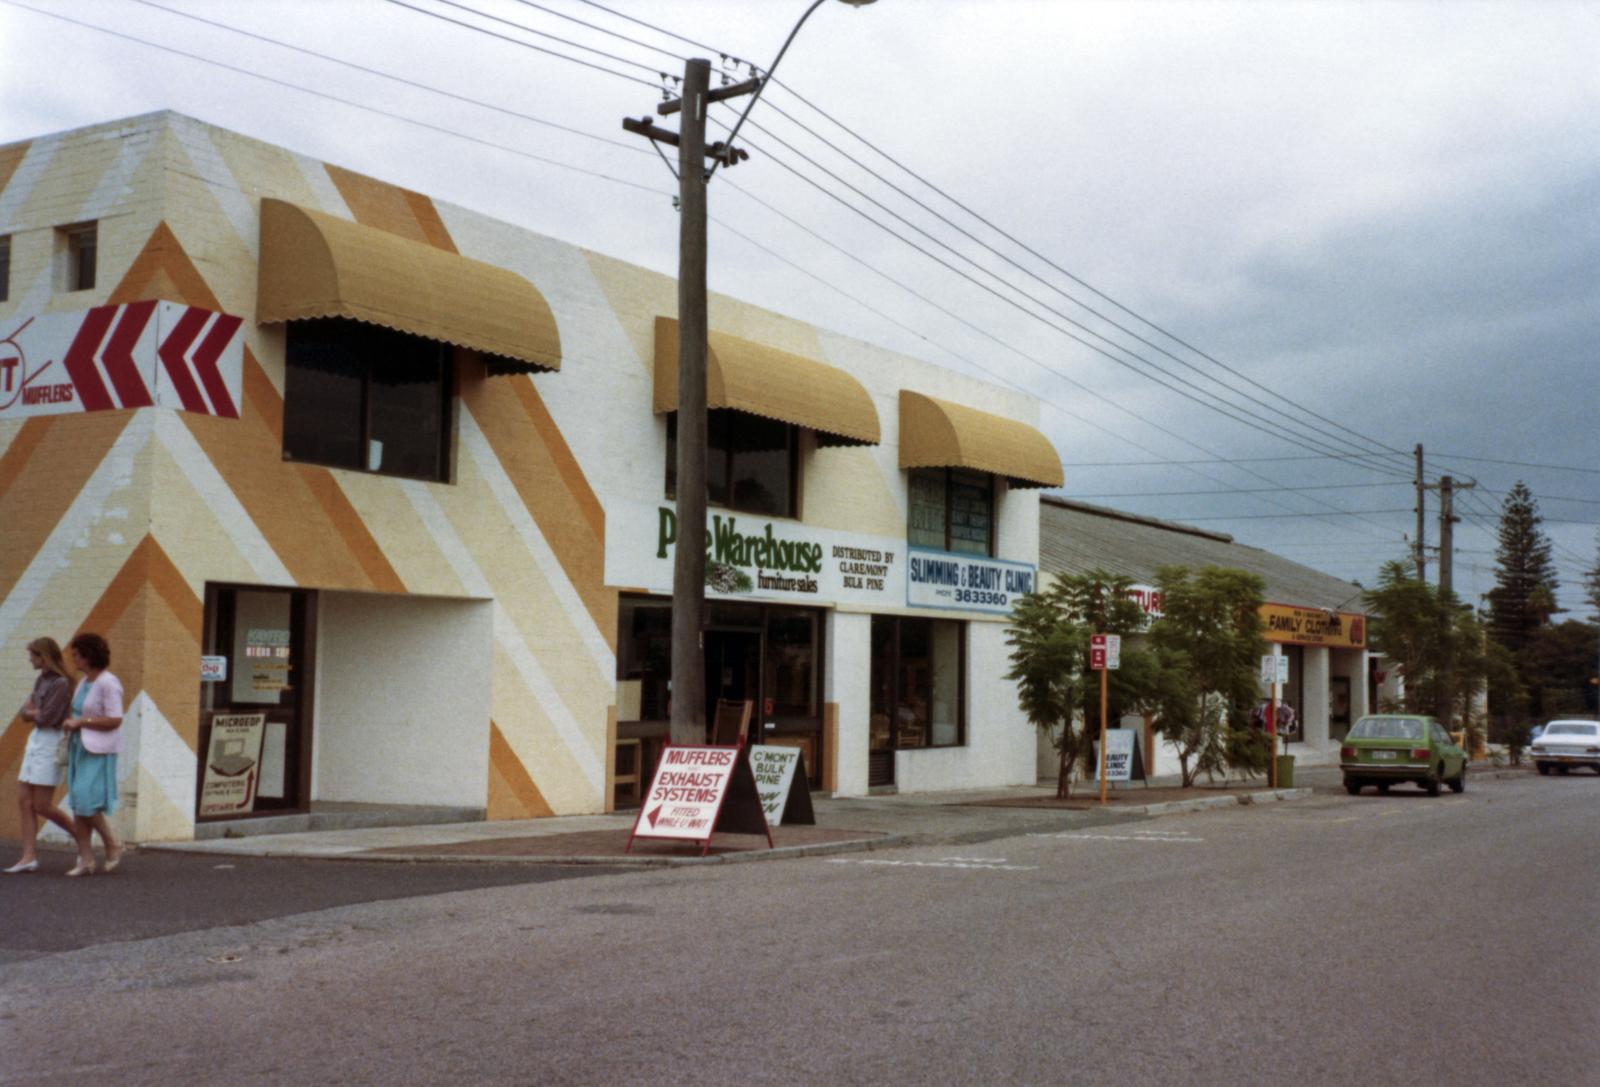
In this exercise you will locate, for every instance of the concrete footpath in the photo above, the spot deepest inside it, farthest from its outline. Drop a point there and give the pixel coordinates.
(844, 825)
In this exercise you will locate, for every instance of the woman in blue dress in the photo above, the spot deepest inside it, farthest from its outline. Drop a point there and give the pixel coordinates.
(94, 726)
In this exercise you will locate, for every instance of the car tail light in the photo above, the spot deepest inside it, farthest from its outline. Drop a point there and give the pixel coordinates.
(1347, 753)
(1419, 754)
(1593, 750)
(1538, 747)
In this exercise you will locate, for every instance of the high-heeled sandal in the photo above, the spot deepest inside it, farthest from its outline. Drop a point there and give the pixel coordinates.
(112, 862)
(20, 867)
(80, 869)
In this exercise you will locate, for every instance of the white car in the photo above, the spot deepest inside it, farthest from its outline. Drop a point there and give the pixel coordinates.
(1564, 744)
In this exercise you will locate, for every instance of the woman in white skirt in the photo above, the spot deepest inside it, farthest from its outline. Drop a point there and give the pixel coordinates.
(41, 769)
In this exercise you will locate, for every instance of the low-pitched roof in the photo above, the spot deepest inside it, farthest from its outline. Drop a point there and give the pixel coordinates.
(1075, 538)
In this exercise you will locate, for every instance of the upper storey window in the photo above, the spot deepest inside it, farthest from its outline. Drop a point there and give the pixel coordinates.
(752, 463)
(951, 509)
(78, 248)
(368, 398)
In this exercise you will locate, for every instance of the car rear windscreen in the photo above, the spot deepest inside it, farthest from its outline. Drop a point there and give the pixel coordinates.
(1572, 730)
(1387, 728)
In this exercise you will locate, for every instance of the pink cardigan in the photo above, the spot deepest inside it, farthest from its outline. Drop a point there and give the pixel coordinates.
(104, 700)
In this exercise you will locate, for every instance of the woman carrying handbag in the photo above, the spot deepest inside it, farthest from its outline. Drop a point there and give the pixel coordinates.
(95, 731)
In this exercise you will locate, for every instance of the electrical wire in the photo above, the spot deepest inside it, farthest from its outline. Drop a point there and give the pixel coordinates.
(1175, 384)
(529, 45)
(1069, 275)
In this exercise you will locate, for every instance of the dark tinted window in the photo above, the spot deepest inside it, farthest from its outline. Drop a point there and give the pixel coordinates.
(751, 462)
(363, 397)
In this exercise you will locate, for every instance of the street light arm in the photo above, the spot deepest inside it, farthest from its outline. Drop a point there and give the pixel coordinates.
(756, 97)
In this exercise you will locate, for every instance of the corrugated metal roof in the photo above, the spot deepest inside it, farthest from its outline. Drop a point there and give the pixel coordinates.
(1075, 538)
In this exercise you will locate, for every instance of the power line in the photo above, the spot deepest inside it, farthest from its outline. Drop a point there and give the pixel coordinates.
(1226, 409)
(1048, 370)
(382, 75)
(1245, 490)
(529, 45)
(1046, 260)
(1030, 274)
(336, 98)
(1522, 463)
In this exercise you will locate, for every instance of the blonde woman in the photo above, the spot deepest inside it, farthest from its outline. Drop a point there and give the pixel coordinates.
(45, 709)
(95, 737)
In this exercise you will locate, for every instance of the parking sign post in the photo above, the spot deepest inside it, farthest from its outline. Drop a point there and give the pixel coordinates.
(1105, 653)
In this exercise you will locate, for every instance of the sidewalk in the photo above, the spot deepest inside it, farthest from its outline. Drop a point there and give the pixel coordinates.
(844, 825)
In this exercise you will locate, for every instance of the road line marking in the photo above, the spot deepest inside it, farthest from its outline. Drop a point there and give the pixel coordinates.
(1087, 837)
(979, 865)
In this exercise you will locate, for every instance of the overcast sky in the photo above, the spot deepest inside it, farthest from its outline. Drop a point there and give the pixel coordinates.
(1379, 222)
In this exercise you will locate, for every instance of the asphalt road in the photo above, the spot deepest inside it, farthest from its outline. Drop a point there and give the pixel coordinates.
(159, 894)
(1336, 940)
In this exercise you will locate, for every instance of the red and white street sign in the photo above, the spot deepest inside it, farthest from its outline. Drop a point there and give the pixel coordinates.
(689, 787)
(1105, 652)
(137, 355)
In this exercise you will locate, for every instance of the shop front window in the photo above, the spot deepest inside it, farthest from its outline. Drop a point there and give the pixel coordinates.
(644, 660)
(917, 682)
(951, 509)
(752, 463)
(790, 664)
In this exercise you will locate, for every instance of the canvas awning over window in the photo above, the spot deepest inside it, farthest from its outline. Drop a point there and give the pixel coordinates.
(318, 265)
(938, 434)
(762, 380)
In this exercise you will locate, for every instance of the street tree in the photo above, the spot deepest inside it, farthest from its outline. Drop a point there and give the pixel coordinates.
(1207, 643)
(1524, 593)
(1049, 641)
(1556, 664)
(1439, 645)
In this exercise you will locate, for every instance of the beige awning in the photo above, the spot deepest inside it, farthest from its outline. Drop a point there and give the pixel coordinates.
(318, 265)
(762, 380)
(939, 434)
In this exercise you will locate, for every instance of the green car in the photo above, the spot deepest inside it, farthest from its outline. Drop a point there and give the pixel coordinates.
(1389, 747)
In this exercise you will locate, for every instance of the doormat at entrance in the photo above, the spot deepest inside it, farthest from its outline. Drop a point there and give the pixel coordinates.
(614, 843)
(1087, 798)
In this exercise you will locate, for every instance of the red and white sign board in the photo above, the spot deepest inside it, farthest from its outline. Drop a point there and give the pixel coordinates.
(1105, 652)
(137, 355)
(691, 784)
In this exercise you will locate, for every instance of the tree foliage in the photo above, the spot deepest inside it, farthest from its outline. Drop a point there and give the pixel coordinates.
(1207, 644)
(1049, 641)
(1440, 646)
(1591, 581)
(1524, 593)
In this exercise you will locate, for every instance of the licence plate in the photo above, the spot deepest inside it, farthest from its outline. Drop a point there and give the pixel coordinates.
(1385, 755)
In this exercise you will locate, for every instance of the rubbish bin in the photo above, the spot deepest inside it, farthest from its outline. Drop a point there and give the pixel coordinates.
(1285, 771)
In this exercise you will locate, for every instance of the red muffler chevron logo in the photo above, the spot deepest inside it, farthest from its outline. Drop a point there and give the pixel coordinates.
(107, 336)
(196, 342)
(111, 365)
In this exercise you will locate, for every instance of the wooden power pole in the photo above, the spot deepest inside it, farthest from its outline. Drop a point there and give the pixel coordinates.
(688, 697)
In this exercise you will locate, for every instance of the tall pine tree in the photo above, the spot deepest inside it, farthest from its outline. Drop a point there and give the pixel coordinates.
(1591, 581)
(1524, 594)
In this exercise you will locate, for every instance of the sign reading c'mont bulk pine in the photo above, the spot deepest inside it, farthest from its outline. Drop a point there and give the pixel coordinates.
(1293, 625)
(137, 355)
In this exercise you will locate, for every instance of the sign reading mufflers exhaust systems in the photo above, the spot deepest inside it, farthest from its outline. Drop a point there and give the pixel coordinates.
(940, 579)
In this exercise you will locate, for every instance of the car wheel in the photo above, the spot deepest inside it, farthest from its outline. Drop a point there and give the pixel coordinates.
(1353, 787)
(1458, 784)
(1431, 782)
(1383, 786)
(1563, 768)
(1542, 767)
